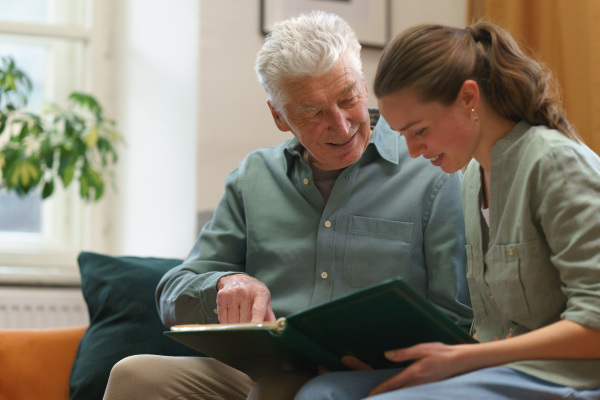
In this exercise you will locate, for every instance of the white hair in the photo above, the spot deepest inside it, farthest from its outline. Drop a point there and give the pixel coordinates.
(308, 45)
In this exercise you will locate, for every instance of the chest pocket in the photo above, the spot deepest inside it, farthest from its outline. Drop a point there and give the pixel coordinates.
(525, 285)
(376, 249)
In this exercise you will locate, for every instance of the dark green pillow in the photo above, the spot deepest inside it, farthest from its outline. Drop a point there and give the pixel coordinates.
(119, 292)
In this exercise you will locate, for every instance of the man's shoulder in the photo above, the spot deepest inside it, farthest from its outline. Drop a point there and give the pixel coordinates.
(268, 157)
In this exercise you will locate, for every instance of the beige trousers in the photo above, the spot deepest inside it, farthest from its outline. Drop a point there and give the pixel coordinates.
(150, 377)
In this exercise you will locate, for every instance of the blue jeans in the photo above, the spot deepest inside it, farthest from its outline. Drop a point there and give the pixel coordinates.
(497, 383)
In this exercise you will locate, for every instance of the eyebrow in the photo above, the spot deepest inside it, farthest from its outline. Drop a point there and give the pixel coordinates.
(408, 126)
(349, 88)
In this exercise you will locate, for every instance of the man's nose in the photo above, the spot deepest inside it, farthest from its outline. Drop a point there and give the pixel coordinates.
(339, 122)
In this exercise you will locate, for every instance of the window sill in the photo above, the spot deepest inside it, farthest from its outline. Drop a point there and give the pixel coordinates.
(39, 276)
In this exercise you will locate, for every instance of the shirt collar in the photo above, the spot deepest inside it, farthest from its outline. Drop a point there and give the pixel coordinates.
(507, 141)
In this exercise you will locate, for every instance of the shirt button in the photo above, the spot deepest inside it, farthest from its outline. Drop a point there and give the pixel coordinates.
(511, 251)
(324, 275)
(491, 296)
(216, 311)
(305, 181)
(327, 224)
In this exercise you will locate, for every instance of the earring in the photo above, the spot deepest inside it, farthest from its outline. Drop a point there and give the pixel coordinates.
(474, 115)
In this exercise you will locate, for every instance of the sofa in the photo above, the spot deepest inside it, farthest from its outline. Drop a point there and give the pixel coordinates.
(37, 363)
(74, 363)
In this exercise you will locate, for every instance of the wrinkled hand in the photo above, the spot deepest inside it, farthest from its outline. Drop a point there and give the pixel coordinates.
(241, 298)
(432, 362)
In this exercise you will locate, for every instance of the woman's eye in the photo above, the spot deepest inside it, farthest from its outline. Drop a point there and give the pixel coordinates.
(419, 132)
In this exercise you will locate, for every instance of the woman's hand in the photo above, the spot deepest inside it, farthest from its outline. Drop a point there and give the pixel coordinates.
(354, 363)
(432, 362)
(436, 361)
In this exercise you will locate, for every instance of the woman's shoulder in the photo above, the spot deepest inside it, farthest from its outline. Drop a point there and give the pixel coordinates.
(540, 143)
(546, 143)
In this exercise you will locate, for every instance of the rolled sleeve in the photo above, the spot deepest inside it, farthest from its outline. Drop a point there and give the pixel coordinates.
(187, 294)
(569, 213)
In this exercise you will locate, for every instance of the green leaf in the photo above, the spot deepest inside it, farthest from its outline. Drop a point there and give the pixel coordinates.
(87, 101)
(69, 131)
(84, 188)
(47, 153)
(106, 148)
(3, 119)
(14, 83)
(66, 166)
(34, 143)
(99, 192)
(48, 189)
(24, 131)
(91, 139)
(24, 175)
(9, 83)
(67, 174)
(93, 177)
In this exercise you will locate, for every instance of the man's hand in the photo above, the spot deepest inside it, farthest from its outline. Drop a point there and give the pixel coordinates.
(241, 298)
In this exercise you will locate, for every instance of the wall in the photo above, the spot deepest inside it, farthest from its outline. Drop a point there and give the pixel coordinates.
(233, 114)
(190, 107)
(156, 54)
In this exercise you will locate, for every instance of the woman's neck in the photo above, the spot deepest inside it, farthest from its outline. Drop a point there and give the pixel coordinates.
(492, 128)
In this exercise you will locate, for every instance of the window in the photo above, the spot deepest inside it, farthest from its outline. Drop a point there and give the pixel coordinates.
(52, 41)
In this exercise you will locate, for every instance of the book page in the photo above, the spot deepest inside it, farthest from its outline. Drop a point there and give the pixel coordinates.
(276, 326)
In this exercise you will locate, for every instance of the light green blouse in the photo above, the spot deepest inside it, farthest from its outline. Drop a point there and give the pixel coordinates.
(540, 260)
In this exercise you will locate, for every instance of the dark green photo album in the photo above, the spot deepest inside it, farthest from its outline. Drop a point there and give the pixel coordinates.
(365, 323)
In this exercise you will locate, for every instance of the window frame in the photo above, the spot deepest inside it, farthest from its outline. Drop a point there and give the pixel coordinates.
(69, 225)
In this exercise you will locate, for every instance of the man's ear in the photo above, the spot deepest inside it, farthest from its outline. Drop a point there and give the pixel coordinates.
(469, 94)
(278, 118)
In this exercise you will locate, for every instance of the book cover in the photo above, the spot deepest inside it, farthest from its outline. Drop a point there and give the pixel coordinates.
(364, 324)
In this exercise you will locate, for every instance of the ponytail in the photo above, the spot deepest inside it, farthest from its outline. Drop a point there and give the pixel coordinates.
(436, 60)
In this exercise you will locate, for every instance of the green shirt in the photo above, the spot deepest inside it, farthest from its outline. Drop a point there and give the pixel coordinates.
(540, 260)
(387, 215)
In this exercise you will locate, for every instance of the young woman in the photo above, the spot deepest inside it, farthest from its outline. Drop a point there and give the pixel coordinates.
(531, 199)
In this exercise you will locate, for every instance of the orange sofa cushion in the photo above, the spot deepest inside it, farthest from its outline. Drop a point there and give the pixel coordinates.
(36, 363)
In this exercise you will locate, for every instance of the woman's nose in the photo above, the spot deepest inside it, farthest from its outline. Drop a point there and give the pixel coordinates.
(415, 146)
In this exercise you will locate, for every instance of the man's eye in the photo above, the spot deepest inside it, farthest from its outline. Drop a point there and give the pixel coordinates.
(350, 100)
(419, 132)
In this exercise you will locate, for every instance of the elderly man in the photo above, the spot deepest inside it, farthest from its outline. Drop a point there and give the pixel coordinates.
(336, 208)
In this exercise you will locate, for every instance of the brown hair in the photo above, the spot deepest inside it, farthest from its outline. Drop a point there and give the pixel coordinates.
(435, 60)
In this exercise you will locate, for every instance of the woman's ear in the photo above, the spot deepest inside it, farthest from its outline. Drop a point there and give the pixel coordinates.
(469, 94)
(278, 118)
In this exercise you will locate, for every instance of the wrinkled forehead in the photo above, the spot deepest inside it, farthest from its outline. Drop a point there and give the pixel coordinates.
(311, 91)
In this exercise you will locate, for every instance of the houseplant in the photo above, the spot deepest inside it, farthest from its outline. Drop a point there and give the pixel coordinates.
(54, 145)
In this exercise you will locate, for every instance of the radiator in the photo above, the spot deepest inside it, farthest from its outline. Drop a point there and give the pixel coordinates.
(24, 308)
